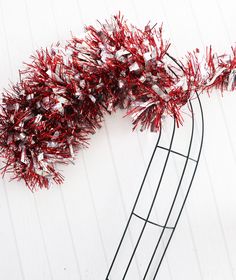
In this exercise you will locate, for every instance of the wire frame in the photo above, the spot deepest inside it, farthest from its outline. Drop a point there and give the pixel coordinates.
(126, 259)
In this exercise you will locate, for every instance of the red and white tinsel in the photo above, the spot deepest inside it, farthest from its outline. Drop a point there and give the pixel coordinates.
(64, 92)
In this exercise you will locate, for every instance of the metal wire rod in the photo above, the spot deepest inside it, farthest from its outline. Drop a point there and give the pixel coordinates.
(153, 201)
(171, 229)
(190, 185)
(175, 197)
(135, 203)
(150, 222)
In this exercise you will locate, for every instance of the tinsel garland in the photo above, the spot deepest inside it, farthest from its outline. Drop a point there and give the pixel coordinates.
(64, 93)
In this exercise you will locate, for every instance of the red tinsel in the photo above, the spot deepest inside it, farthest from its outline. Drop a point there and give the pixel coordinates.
(64, 92)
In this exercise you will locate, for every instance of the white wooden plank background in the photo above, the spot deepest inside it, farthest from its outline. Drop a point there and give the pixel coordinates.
(71, 232)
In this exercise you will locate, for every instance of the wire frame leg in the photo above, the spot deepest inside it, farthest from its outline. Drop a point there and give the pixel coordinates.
(167, 229)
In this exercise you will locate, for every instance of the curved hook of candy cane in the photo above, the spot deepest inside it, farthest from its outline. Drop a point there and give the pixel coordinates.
(64, 93)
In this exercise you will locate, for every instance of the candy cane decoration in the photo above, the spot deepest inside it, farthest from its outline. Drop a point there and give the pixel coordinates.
(64, 93)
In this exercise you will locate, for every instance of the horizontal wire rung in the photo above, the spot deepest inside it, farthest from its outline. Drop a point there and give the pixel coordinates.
(150, 222)
(177, 153)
